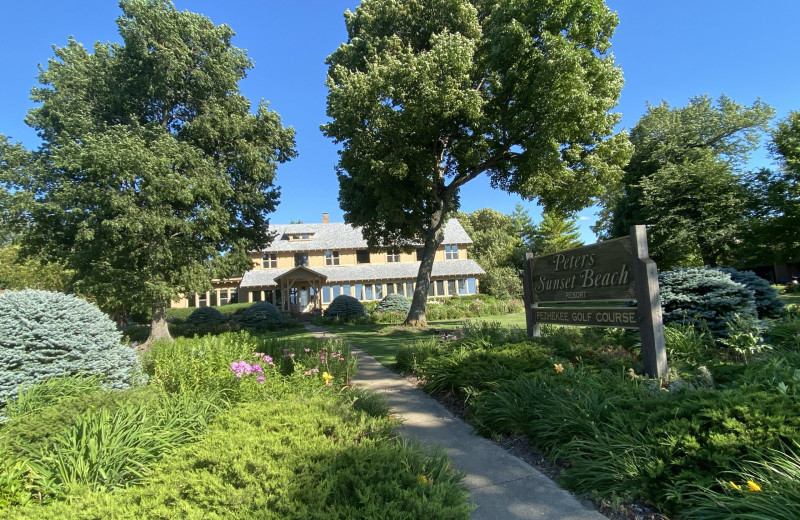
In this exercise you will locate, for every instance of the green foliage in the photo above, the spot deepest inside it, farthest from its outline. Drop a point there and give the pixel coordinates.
(768, 303)
(786, 334)
(555, 233)
(684, 182)
(704, 296)
(450, 90)
(687, 343)
(292, 459)
(50, 391)
(152, 160)
(106, 450)
(17, 272)
(205, 316)
(345, 308)
(777, 495)
(411, 357)
(471, 307)
(371, 403)
(230, 310)
(46, 334)
(261, 315)
(775, 200)
(394, 302)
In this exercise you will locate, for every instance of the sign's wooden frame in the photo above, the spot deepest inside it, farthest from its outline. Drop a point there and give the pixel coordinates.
(600, 272)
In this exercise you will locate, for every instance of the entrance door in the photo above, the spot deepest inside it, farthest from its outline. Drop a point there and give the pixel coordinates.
(303, 298)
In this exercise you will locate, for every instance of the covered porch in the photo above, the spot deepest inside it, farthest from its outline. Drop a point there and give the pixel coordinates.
(304, 287)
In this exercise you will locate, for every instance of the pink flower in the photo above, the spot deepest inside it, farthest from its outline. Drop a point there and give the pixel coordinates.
(261, 379)
(307, 350)
(257, 368)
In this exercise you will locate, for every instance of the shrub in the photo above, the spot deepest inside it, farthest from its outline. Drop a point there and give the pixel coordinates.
(768, 303)
(345, 308)
(205, 316)
(260, 315)
(700, 295)
(45, 334)
(393, 303)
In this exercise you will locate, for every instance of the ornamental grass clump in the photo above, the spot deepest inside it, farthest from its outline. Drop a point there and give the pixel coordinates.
(46, 334)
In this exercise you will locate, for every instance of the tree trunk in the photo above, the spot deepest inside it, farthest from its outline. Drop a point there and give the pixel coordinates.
(433, 239)
(159, 329)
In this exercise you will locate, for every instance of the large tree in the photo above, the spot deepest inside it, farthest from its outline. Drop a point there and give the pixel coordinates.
(684, 179)
(775, 200)
(152, 161)
(426, 95)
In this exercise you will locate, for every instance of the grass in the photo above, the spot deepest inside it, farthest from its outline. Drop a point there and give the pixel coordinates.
(381, 341)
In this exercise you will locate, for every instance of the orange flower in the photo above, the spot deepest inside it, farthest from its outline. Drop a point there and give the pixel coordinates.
(559, 368)
(752, 486)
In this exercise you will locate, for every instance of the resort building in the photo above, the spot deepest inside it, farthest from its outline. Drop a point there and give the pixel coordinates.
(308, 265)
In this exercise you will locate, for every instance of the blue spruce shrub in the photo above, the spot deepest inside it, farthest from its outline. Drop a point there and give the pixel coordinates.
(345, 308)
(394, 302)
(260, 315)
(768, 303)
(45, 334)
(205, 316)
(695, 295)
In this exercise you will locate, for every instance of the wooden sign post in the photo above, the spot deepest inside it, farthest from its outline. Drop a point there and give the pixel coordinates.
(614, 270)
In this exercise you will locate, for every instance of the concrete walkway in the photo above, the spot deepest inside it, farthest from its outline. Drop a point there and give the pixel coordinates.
(502, 486)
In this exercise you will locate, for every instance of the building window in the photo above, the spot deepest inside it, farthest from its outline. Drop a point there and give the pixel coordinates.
(362, 256)
(378, 291)
(451, 287)
(269, 261)
(471, 285)
(223, 297)
(440, 287)
(326, 294)
(359, 295)
(202, 301)
(451, 252)
(337, 290)
(389, 288)
(420, 254)
(392, 257)
(368, 291)
(432, 288)
(409, 289)
(346, 290)
(462, 286)
(301, 259)
(331, 257)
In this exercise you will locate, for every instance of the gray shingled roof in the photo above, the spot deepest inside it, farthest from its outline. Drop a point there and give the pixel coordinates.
(336, 235)
(368, 272)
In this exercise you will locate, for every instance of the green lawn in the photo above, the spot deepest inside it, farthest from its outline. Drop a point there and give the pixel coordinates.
(382, 340)
(791, 298)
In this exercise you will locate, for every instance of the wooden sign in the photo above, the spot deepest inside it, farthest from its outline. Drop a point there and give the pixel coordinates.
(615, 270)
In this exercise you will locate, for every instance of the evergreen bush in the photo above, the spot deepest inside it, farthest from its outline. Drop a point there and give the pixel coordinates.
(205, 316)
(394, 302)
(46, 334)
(768, 304)
(698, 296)
(345, 308)
(260, 315)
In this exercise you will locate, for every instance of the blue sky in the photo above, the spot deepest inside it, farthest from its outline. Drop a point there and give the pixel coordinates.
(668, 50)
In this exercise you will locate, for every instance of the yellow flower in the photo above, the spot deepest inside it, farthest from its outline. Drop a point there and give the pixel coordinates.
(389, 417)
(423, 479)
(752, 486)
(327, 378)
(735, 486)
(559, 368)
(632, 374)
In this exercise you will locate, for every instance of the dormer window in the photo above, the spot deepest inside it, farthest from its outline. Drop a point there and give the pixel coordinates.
(392, 257)
(300, 236)
(451, 252)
